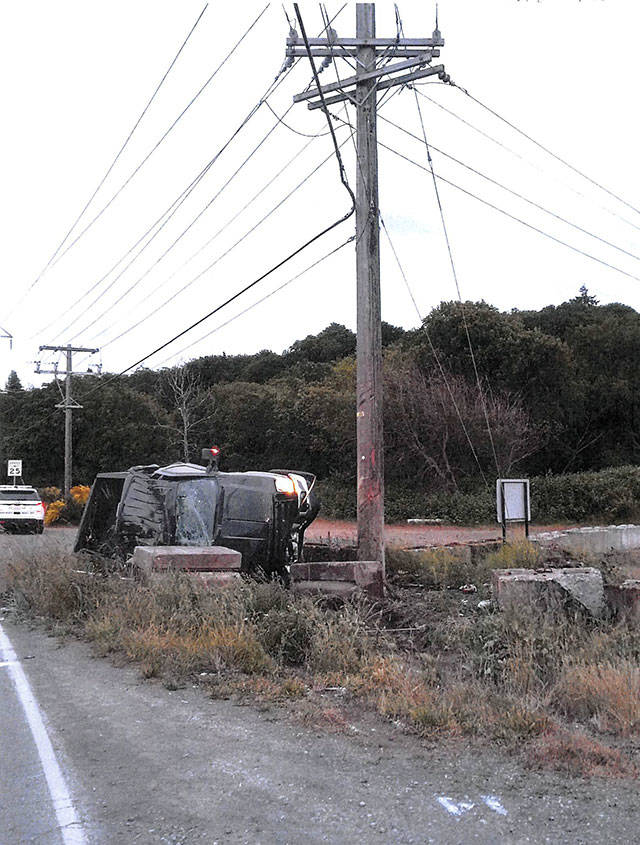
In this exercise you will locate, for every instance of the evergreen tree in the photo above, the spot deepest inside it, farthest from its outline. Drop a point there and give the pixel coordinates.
(13, 383)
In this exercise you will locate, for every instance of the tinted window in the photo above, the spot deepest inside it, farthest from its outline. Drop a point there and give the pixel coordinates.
(195, 512)
(19, 495)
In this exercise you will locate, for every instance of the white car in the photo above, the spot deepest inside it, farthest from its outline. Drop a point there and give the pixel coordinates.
(21, 509)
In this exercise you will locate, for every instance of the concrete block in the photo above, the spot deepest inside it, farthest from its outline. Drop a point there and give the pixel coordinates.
(323, 571)
(337, 589)
(211, 580)
(365, 574)
(189, 558)
(624, 600)
(369, 576)
(517, 588)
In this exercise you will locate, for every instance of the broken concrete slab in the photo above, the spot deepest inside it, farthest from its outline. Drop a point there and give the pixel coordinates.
(519, 588)
(367, 576)
(624, 599)
(212, 580)
(188, 558)
(338, 589)
(597, 539)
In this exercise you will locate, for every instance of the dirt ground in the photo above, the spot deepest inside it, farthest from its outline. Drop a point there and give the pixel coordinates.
(402, 534)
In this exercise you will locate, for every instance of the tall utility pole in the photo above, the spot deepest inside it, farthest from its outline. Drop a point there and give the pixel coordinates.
(67, 406)
(361, 90)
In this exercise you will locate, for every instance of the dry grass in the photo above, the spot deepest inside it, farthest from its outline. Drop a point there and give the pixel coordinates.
(428, 660)
(607, 694)
(580, 756)
(450, 568)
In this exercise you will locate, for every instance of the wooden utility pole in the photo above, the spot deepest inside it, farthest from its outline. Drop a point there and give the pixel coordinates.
(67, 406)
(370, 470)
(361, 90)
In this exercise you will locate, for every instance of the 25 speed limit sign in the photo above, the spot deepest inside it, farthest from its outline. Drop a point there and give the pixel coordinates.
(14, 469)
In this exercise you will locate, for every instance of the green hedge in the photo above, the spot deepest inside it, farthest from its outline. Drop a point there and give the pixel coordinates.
(610, 495)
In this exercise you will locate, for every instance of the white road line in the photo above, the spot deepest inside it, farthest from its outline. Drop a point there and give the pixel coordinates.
(70, 826)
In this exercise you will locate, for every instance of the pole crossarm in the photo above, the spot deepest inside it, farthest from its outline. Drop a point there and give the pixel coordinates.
(7, 335)
(381, 86)
(382, 43)
(67, 349)
(422, 59)
(68, 404)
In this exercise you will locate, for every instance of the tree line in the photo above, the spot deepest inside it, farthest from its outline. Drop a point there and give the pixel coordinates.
(474, 392)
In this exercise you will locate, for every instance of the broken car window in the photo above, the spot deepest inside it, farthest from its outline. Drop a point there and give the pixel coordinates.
(195, 512)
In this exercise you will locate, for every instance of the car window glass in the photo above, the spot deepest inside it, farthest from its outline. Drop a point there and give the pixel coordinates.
(195, 513)
(19, 495)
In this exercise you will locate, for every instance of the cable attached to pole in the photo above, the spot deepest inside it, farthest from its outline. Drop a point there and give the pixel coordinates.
(457, 284)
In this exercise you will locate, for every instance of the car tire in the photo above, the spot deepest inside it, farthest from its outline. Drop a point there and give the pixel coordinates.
(39, 528)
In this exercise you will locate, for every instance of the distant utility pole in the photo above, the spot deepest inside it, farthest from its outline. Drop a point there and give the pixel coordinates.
(361, 90)
(68, 405)
(7, 336)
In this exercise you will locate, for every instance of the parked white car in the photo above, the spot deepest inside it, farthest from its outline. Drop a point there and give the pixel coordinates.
(21, 509)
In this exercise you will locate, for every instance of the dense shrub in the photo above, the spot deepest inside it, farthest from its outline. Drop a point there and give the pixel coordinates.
(610, 495)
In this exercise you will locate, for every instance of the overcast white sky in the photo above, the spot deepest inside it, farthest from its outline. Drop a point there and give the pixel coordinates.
(76, 76)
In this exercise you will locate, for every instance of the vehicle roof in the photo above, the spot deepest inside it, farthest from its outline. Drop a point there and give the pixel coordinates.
(16, 487)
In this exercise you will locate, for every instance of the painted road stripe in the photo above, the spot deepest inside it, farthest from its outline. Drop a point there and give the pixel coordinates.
(70, 826)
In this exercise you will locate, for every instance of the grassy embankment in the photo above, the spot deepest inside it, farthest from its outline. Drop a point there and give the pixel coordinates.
(557, 687)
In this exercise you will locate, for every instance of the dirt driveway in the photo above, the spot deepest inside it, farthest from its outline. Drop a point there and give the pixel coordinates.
(403, 534)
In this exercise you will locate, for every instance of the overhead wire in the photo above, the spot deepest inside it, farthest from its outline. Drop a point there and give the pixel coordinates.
(219, 258)
(172, 209)
(259, 301)
(546, 149)
(457, 284)
(512, 216)
(272, 269)
(521, 157)
(322, 233)
(163, 219)
(434, 352)
(512, 191)
(177, 240)
(164, 136)
(216, 234)
(113, 163)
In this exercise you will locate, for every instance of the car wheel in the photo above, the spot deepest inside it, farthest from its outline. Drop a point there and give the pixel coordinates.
(39, 528)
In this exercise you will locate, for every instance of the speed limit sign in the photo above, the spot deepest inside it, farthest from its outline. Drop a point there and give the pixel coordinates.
(14, 469)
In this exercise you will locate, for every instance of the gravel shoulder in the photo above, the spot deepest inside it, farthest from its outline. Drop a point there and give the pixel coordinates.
(149, 765)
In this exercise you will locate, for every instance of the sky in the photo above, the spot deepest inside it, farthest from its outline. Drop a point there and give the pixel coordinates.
(78, 74)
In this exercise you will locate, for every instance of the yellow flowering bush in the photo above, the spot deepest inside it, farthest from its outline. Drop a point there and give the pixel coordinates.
(80, 494)
(54, 512)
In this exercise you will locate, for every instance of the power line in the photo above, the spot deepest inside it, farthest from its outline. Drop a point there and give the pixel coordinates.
(174, 243)
(113, 163)
(259, 301)
(230, 299)
(163, 137)
(221, 229)
(512, 192)
(513, 216)
(457, 284)
(219, 258)
(434, 351)
(325, 231)
(547, 150)
(171, 210)
(522, 158)
(168, 214)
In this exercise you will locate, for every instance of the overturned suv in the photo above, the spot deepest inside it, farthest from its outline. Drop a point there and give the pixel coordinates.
(263, 515)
